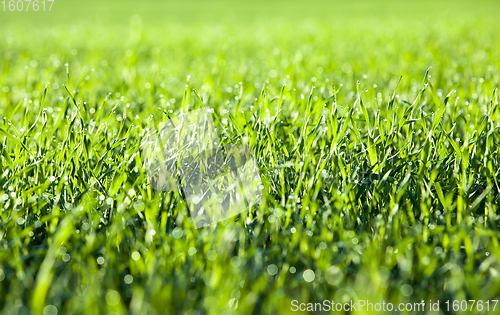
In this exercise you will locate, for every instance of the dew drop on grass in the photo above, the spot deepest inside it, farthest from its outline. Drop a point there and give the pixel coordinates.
(128, 279)
(135, 255)
(333, 275)
(212, 255)
(192, 251)
(50, 310)
(309, 275)
(66, 257)
(177, 233)
(407, 290)
(112, 297)
(272, 269)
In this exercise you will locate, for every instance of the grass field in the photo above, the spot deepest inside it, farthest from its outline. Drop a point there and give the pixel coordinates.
(375, 126)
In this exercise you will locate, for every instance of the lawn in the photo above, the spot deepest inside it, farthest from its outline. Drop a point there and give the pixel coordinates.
(374, 124)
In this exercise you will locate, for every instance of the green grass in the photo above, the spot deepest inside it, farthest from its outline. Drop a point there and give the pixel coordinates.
(380, 173)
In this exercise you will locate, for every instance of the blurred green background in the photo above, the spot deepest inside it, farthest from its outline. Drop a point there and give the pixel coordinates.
(90, 13)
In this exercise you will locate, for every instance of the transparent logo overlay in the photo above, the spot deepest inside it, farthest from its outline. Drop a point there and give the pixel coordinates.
(184, 153)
